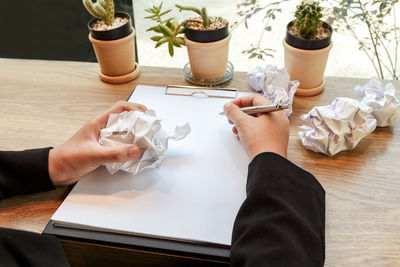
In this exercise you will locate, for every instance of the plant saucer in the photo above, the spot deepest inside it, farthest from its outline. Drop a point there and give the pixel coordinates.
(121, 79)
(208, 82)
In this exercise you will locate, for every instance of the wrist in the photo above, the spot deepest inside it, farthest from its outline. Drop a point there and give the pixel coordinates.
(56, 168)
(255, 151)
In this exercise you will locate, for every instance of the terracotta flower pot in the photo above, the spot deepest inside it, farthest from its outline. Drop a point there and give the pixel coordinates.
(208, 60)
(305, 60)
(208, 51)
(115, 52)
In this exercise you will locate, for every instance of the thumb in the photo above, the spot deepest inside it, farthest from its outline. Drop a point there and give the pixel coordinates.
(119, 153)
(234, 113)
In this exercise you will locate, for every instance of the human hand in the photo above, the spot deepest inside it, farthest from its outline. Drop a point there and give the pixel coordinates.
(82, 153)
(268, 132)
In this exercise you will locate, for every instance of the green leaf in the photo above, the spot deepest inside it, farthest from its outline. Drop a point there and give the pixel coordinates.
(180, 40)
(253, 55)
(166, 29)
(250, 50)
(165, 12)
(155, 28)
(150, 17)
(176, 43)
(170, 48)
(162, 40)
(156, 38)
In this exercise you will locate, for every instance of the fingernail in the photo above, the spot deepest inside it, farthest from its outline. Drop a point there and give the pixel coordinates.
(135, 152)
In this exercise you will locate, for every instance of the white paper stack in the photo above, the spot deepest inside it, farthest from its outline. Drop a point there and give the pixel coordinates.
(194, 196)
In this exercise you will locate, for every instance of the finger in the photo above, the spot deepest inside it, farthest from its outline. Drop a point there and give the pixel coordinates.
(230, 122)
(125, 106)
(234, 130)
(234, 113)
(118, 108)
(251, 100)
(120, 153)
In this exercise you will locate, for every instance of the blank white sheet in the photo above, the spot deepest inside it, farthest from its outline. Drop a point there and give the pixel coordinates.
(194, 196)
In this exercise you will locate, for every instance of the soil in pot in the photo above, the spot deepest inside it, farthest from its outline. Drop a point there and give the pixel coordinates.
(100, 25)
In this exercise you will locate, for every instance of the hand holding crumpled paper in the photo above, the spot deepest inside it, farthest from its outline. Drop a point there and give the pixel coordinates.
(145, 131)
(342, 124)
(274, 84)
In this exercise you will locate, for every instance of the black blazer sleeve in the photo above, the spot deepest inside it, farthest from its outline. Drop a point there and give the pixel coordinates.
(282, 220)
(24, 172)
(20, 248)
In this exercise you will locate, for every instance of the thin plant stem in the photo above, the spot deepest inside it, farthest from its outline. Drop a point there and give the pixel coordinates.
(377, 33)
(372, 40)
(348, 26)
(237, 24)
(397, 43)
(266, 24)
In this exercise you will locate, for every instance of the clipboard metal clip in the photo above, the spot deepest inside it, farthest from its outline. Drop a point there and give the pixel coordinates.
(186, 90)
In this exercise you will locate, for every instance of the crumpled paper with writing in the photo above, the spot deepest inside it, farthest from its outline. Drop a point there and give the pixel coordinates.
(145, 131)
(274, 84)
(342, 124)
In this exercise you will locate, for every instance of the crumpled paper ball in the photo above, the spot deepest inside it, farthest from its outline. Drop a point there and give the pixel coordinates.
(382, 100)
(341, 125)
(336, 127)
(274, 84)
(145, 131)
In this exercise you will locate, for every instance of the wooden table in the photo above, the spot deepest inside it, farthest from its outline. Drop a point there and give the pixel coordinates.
(42, 103)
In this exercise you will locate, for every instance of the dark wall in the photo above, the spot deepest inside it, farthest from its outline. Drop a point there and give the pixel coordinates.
(48, 29)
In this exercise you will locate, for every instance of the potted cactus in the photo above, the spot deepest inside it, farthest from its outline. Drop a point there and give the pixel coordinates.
(307, 45)
(112, 37)
(207, 39)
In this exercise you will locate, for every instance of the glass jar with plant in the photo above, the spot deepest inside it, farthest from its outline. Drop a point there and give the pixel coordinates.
(206, 37)
(112, 37)
(307, 45)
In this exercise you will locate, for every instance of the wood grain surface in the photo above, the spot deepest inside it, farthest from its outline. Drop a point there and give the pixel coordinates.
(42, 103)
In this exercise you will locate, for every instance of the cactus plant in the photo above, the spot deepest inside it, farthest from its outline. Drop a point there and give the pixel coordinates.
(102, 9)
(203, 14)
(308, 19)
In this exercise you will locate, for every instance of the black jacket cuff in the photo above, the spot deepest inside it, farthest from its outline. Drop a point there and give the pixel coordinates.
(24, 172)
(278, 166)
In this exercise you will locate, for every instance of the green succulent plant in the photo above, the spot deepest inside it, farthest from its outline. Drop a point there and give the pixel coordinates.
(102, 9)
(170, 29)
(308, 19)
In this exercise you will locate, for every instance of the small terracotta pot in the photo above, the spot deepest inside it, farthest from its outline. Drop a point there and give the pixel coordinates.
(305, 60)
(115, 51)
(208, 60)
(308, 67)
(116, 57)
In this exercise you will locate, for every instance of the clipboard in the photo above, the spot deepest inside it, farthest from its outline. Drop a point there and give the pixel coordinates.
(185, 90)
(179, 246)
